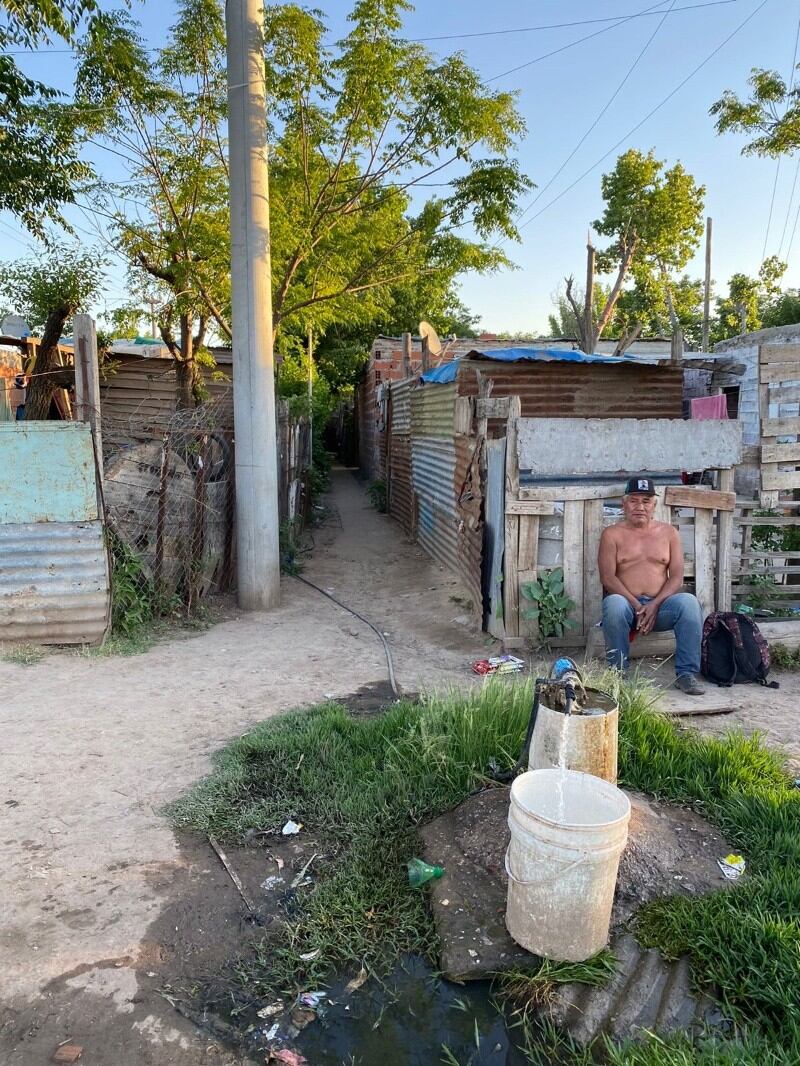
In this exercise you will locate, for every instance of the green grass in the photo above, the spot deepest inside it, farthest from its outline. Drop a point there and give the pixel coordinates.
(23, 654)
(364, 785)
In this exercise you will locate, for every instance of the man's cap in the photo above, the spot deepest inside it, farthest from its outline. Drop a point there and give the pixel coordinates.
(643, 485)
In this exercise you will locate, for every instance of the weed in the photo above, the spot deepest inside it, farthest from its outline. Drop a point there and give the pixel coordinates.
(784, 658)
(365, 785)
(132, 594)
(23, 654)
(376, 491)
(551, 607)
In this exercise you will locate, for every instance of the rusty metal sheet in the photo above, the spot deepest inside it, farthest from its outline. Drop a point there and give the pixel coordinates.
(401, 492)
(433, 410)
(401, 406)
(469, 520)
(54, 582)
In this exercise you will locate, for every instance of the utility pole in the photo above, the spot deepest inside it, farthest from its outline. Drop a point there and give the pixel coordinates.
(588, 300)
(707, 290)
(257, 542)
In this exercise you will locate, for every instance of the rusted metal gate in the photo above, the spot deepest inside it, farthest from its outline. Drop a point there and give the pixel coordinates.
(54, 578)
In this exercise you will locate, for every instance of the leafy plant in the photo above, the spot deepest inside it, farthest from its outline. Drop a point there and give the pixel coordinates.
(378, 496)
(551, 607)
(132, 595)
(763, 590)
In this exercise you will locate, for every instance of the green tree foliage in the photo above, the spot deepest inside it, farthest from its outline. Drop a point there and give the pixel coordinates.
(749, 303)
(770, 117)
(358, 134)
(653, 220)
(48, 290)
(41, 164)
(564, 322)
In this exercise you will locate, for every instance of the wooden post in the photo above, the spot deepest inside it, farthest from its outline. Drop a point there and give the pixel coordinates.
(199, 531)
(573, 557)
(592, 589)
(426, 355)
(724, 545)
(588, 324)
(158, 568)
(707, 288)
(406, 355)
(676, 348)
(511, 558)
(704, 559)
(527, 564)
(87, 378)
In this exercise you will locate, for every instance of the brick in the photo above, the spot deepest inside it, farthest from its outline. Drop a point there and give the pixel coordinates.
(68, 1053)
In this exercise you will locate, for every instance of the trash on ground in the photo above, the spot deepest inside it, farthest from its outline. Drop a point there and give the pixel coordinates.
(271, 883)
(732, 866)
(291, 828)
(270, 1010)
(303, 1016)
(420, 872)
(357, 982)
(498, 664)
(287, 1056)
(311, 1000)
(68, 1052)
(278, 861)
(301, 876)
(273, 1031)
(309, 955)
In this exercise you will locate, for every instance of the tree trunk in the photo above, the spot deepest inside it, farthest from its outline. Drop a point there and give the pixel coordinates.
(41, 388)
(185, 367)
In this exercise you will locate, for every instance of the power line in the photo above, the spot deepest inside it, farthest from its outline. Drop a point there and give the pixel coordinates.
(565, 25)
(600, 114)
(797, 168)
(771, 205)
(649, 114)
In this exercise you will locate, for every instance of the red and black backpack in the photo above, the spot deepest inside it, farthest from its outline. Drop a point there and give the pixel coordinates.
(733, 651)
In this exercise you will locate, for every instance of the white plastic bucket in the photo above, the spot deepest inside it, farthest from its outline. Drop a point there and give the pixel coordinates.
(562, 861)
(590, 738)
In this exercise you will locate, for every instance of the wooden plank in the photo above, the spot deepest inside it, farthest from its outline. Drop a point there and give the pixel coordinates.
(592, 589)
(767, 522)
(763, 556)
(772, 478)
(493, 407)
(662, 512)
(704, 560)
(462, 415)
(778, 427)
(784, 394)
(779, 372)
(527, 559)
(678, 496)
(530, 507)
(779, 353)
(724, 544)
(511, 577)
(611, 491)
(780, 453)
(776, 571)
(573, 557)
(512, 458)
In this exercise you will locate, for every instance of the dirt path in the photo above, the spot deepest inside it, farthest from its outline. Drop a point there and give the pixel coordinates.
(93, 748)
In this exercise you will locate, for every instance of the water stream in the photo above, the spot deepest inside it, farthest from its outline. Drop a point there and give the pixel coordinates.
(562, 766)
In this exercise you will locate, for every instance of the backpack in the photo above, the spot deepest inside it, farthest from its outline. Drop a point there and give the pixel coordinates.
(733, 651)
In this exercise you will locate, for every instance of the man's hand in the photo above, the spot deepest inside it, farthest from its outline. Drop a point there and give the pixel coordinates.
(646, 617)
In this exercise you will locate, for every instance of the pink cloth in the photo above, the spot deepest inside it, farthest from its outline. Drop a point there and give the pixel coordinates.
(710, 407)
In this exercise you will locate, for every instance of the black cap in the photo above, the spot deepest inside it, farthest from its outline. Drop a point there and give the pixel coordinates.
(643, 485)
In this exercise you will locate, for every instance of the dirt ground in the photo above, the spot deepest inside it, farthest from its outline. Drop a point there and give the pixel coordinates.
(97, 891)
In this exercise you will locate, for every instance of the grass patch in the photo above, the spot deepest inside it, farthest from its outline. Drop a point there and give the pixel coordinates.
(23, 654)
(364, 786)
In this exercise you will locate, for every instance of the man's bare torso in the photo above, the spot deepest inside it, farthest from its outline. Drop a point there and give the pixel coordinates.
(642, 556)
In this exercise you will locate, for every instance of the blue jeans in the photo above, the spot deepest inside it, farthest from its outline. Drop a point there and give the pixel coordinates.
(680, 612)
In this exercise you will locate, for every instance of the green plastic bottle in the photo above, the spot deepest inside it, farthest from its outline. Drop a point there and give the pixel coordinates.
(419, 872)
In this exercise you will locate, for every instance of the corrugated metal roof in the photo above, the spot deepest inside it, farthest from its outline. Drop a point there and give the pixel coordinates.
(54, 582)
(448, 372)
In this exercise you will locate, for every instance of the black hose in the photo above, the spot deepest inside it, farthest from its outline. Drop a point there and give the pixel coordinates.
(366, 621)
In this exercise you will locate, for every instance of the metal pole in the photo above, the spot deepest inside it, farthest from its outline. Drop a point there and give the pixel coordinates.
(257, 544)
(707, 291)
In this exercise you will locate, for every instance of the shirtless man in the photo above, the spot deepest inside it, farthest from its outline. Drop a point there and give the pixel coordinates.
(641, 568)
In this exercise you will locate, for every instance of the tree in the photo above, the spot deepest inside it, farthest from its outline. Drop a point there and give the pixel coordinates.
(48, 291)
(564, 323)
(41, 163)
(784, 310)
(749, 300)
(770, 117)
(653, 218)
(356, 135)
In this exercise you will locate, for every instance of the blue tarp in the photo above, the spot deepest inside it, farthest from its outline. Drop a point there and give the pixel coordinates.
(447, 371)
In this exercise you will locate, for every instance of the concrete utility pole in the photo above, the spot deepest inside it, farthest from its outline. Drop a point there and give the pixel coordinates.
(257, 545)
(707, 290)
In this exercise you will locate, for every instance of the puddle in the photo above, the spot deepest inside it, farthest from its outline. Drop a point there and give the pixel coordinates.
(407, 1021)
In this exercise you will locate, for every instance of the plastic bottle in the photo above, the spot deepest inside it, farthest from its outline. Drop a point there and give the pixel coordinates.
(419, 872)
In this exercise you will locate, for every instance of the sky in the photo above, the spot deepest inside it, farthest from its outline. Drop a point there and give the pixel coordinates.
(561, 97)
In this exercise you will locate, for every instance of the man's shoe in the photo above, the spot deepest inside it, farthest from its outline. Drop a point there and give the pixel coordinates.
(689, 684)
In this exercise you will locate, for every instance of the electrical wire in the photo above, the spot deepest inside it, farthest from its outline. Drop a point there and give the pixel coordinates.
(366, 621)
(600, 114)
(778, 167)
(565, 25)
(649, 114)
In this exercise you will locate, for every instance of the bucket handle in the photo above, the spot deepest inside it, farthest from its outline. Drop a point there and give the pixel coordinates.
(541, 880)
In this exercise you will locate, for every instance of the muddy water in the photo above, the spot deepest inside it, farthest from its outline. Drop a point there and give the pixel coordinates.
(409, 1020)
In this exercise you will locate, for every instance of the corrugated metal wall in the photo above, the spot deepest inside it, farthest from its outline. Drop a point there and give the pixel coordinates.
(433, 477)
(401, 493)
(581, 390)
(54, 580)
(145, 389)
(432, 410)
(401, 406)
